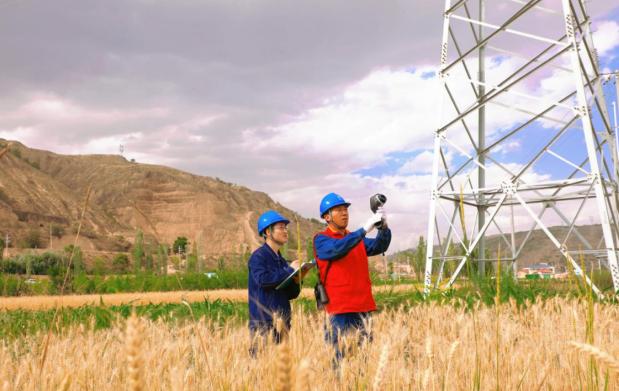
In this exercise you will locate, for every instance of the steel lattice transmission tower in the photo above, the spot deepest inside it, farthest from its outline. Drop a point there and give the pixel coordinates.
(524, 140)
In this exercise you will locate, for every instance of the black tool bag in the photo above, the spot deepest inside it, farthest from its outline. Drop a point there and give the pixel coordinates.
(319, 289)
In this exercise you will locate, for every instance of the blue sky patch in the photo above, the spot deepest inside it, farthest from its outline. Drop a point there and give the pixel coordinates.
(390, 166)
(428, 75)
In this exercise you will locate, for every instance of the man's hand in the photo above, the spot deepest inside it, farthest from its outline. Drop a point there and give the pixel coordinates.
(294, 264)
(370, 224)
(383, 213)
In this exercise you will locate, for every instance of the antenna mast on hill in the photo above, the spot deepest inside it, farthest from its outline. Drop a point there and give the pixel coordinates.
(524, 139)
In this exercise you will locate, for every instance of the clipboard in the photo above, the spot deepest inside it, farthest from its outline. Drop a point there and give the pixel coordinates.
(304, 267)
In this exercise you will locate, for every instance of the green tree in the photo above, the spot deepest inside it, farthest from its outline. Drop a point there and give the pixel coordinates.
(28, 265)
(57, 231)
(191, 263)
(162, 257)
(420, 258)
(195, 250)
(78, 258)
(137, 254)
(149, 262)
(120, 263)
(99, 267)
(32, 239)
(180, 245)
(192, 260)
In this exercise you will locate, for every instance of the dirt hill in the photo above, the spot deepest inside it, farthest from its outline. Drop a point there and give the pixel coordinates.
(42, 191)
(538, 248)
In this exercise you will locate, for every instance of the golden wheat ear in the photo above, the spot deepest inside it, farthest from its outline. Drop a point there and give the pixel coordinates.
(66, 383)
(303, 376)
(134, 349)
(283, 379)
(380, 369)
(597, 353)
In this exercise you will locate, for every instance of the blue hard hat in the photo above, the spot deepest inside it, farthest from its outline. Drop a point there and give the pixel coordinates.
(331, 200)
(269, 218)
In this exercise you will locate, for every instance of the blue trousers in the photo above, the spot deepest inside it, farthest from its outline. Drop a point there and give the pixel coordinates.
(342, 324)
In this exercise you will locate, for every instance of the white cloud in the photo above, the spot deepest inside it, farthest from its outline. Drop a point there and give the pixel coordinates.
(384, 112)
(422, 163)
(50, 108)
(509, 146)
(606, 37)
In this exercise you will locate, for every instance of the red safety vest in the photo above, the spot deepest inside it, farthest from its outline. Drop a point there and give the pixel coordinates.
(348, 282)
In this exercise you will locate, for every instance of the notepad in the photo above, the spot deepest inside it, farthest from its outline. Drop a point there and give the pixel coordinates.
(304, 267)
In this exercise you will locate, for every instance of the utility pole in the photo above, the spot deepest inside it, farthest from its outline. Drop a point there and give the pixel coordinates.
(481, 143)
(7, 240)
(615, 103)
(585, 170)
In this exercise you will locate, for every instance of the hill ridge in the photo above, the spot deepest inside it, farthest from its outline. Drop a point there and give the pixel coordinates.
(40, 189)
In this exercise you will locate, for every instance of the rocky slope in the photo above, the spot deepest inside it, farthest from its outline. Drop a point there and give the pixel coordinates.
(41, 189)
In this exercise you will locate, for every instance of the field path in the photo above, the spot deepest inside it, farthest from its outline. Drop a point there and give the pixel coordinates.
(249, 232)
(140, 298)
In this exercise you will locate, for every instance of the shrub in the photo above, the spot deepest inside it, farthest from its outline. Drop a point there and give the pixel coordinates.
(32, 239)
(57, 231)
(42, 264)
(120, 263)
(99, 267)
(12, 266)
(180, 245)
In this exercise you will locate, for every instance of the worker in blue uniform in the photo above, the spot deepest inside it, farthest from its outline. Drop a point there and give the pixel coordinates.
(267, 269)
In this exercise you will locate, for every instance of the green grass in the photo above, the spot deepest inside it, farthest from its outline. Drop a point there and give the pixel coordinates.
(16, 285)
(18, 323)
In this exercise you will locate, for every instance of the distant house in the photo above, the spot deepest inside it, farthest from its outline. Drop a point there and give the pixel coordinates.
(537, 271)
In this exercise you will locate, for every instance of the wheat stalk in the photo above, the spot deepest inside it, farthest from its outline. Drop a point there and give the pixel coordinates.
(497, 303)
(197, 331)
(64, 283)
(134, 349)
(66, 382)
(450, 355)
(283, 381)
(380, 369)
(303, 376)
(597, 353)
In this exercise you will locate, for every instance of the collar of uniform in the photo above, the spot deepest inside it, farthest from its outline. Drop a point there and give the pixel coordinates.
(337, 233)
(277, 254)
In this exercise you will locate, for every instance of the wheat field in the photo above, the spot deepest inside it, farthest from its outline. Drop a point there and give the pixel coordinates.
(41, 302)
(549, 345)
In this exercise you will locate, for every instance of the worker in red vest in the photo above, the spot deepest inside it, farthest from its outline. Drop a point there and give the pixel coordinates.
(342, 258)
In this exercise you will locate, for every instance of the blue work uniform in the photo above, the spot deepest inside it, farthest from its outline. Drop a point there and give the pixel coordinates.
(331, 249)
(268, 269)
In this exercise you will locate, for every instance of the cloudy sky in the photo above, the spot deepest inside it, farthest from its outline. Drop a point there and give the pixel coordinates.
(293, 98)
